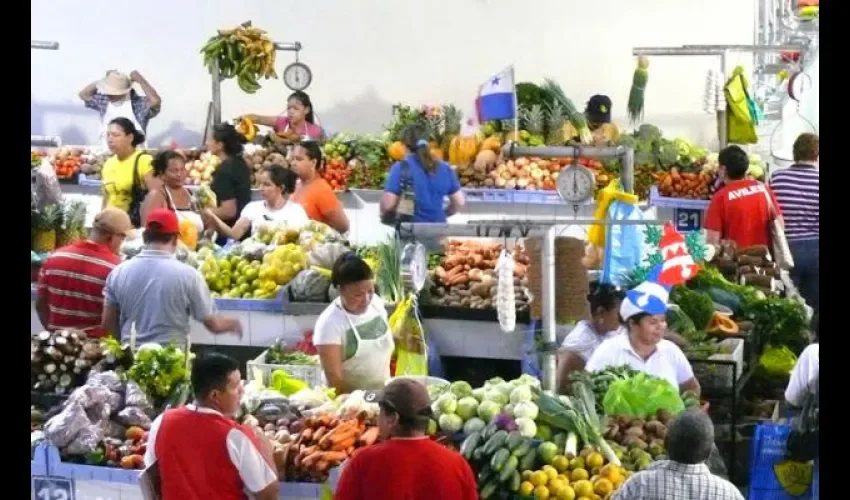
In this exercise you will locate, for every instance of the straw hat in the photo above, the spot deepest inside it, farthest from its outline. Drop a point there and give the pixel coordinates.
(114, 83)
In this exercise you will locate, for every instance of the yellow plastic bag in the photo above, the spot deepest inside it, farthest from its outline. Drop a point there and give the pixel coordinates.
(411, 351)
(778, 360)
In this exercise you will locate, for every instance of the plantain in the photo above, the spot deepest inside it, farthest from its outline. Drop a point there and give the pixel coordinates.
(245, 53)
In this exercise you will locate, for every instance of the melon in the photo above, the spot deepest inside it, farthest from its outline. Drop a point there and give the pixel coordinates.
(309, 286)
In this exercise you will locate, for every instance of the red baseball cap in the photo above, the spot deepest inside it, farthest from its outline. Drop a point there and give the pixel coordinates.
(163, 221)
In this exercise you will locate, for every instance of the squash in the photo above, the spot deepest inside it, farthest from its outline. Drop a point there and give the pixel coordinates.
(493, 143)
(189, 234)
(462, 150)
(722, 324)
(397, 151)
(309, 286)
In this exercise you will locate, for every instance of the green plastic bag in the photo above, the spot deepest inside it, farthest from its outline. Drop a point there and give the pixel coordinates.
(778, 360)
(641, 396)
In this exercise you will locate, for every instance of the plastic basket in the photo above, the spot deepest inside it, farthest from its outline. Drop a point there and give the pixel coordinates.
(38, 461)
(768, 450)
(720, 375)
(525, 196)
(299, 491)
(81, 472)
(313, 375)
(656, 200)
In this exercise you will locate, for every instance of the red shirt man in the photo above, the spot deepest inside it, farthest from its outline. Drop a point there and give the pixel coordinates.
(408, 465)
(740, 211)
(71, 281)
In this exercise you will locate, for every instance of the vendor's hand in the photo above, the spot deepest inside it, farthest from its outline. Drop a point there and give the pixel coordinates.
(135, 76)
(208, 216)
(234, 327)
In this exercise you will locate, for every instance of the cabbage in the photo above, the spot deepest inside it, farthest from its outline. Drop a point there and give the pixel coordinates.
(435, 409)
(506, 389)
(447, 403)
(488, 410)
(520, 394)
(467, 407)
(526, 427)
(496, 396)
(509, 409)
(526, 409)
(450, 423)
(495, 381)
(528, 380)
(479, 393)
(461, 389)
(474, 424)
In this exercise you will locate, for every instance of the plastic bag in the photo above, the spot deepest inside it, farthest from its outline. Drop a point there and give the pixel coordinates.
(135, 396)
(623, 249)
(64, 427)
(409, 336)
(641, 396)
(90, 396)
(505, 300)
(86, 441)
(47, 188)
(308, 398)
(133, 415)
(286, 384)
(778, 360)
(109, 379)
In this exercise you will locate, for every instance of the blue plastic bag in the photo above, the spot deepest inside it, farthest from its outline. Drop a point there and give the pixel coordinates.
(623, 243)
(772, 477)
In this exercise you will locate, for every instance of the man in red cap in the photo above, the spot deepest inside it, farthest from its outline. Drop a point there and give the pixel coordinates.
(408, 464)
(158, 293)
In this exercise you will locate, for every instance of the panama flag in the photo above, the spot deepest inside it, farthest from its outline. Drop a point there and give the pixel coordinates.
(497, 97)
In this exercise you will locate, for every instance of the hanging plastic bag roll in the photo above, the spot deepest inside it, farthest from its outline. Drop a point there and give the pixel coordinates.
(505, 299)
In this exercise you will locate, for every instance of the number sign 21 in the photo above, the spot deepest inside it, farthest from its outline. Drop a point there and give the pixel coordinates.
(688, 219)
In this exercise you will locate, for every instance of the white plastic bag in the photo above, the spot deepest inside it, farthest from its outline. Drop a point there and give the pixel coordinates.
(505, 299)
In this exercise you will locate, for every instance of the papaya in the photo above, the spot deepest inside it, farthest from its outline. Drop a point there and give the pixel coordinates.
(722, 324)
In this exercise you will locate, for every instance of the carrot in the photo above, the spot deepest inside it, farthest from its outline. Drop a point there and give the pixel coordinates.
(674, 173)
(310, 422)
(350, 450)
(334, 456)
(343, 445)
(459, 280)
(320, 432)
(307, 433)
(369, 437)
(308, 461)
(324, 421)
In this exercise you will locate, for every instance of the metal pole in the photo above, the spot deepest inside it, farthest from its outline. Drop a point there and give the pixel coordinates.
(40, 45)
(547, 289)
(627, 170)
(45, 141)
(720, 114)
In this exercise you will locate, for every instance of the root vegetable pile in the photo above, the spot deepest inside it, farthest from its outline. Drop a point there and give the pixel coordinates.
(466, 276)
(689, 185)
(61, 360)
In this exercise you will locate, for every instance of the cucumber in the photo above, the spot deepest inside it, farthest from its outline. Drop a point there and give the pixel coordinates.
(489, 490)
(514, 440)
(478, 454)
(485, 475)
(495, 442)
(508, 469)
(522, 449)
(528, 460)
(470, 444)
(499, 459)
(515, 481)
(491, 429)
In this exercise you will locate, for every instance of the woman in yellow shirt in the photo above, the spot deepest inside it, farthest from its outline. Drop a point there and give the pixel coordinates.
(119, 171)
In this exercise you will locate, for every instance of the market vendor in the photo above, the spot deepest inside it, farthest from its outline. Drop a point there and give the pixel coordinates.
(201, 451)
(597, 113)
(642, 346)
(113, 97)
(276, 207)
(604, 300)
(407, 464)
(353, 334)
(170, 167)
(128, 174)
(231, 180)
(299, 122)
(430, 181)
(313, 191)
(805, 377)
(159, 294)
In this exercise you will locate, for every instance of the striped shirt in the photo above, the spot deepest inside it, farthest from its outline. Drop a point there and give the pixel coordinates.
(797, 190)
(72, 280)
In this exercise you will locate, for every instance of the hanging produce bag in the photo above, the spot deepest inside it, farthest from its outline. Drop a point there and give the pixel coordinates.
(623, 249)
(411, 350)
(772, 475)
(641, 396)
(741, 127)
(505, 303)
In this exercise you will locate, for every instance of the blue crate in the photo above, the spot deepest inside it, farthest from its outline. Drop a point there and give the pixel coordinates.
(310, 490)
(85, 181)
(533, 197)
(58, 468)
(656, 200)
(265, 305)
(768, 449)
(38, 463)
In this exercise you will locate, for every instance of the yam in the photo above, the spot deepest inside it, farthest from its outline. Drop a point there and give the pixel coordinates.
(635, 432)
(656, 429)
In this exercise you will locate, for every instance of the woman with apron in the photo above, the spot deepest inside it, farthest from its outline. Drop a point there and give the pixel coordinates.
(352, 335)
(298, 124)
(170, 167)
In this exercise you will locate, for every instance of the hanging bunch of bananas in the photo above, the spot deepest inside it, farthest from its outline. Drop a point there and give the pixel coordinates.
(245, 53)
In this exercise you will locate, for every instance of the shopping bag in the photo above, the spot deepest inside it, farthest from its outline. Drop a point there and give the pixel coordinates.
(623, 243)
(409, 336)
(772, 475)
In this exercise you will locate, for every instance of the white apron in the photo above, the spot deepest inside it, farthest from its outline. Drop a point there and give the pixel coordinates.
(123, 109)
(369, 368)
(188, 214)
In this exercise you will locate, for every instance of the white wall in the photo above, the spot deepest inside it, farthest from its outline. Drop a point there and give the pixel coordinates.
(368, 54)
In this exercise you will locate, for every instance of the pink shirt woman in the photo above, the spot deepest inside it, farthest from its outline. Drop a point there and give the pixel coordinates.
(297, 124)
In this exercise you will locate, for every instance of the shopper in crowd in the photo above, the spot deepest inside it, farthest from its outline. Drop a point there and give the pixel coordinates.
(71, 280)
(169, 167)
(297, 124)
(643, 346)
(407, 464)
(352, 334)
(313, 192)
(797, 190)
(586, 336)
(742, 210)
(159, 294)
(128, 174)
(429, 180)
(199, 449)
(276, 207)
(231, 181)
(113, 97)
(685, 475)
(805, 377)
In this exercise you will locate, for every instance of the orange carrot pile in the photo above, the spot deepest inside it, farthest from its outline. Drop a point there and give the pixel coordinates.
(690, 185)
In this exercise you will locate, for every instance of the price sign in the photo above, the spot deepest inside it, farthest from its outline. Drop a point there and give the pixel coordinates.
(52, 488)
(687, 219)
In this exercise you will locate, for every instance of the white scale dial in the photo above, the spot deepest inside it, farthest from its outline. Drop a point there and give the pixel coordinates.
(297, 76)
(576, 184)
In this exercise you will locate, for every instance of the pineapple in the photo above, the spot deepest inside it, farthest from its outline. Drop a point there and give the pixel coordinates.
(534, 120)
(555, 123)
(49, 218)
(452, 118)
(75, 222)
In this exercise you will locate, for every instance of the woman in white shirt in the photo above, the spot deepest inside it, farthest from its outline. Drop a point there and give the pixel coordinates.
(804, 377)
(643, 347)
(586, 336)
(353, 334)
(276, 186)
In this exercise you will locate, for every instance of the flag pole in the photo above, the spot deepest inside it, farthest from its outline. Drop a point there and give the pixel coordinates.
(516, 105)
